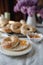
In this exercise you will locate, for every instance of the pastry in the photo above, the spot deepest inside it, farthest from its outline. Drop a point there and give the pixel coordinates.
(27, 29)
(23, 44)
(11, 22)
(16, 27)
(10, 42)
(3, 23)
(22, 22)
(6, 29)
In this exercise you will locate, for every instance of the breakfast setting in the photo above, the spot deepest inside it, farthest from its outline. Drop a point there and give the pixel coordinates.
(21, 33)
(12, 42)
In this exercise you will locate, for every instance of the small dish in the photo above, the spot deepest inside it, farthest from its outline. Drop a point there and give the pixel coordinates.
(35, 37)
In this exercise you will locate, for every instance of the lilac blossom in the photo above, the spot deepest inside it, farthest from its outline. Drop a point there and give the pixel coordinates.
(28, 7)
(31, 11)
(16, 8)
(24, 9)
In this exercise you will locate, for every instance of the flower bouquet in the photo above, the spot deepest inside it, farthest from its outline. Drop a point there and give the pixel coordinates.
(29, 7)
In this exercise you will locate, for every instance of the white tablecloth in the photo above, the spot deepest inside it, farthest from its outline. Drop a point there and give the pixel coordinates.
(28, 59)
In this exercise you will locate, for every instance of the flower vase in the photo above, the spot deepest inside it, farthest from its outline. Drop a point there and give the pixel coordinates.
(31, 20)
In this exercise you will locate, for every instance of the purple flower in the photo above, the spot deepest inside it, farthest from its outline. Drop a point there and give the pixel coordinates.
(31, 10)
(22, 4)
(28, 7)
(24, 9)
(34, 1)
(16, 8)
(28, 2)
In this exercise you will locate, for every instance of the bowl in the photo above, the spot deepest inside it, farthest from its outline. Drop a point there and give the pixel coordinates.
(35, 37)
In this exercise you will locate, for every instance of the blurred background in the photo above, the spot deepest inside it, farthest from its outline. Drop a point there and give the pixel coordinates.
(8, 5)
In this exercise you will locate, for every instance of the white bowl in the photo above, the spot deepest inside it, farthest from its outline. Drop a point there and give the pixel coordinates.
(35, 39)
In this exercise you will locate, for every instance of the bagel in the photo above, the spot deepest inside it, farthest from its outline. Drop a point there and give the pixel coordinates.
(22, 22)
(22, 46)
(11, 22)
(3, 23)
(10, 42)
(16, 27)
(27, 29)
(6, 29)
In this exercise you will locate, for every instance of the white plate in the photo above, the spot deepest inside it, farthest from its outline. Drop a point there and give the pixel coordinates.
(16, 53)
(2, 35)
